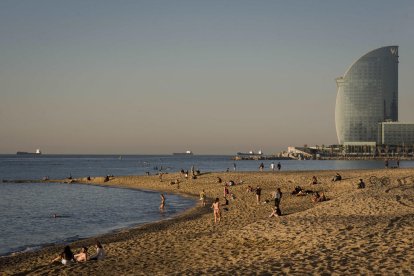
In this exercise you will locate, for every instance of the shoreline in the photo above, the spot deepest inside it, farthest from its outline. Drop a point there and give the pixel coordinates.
(247, 240)
(103, 235)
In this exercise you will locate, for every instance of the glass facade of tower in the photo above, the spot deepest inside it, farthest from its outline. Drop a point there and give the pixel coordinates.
(367, 95)
(395, 133)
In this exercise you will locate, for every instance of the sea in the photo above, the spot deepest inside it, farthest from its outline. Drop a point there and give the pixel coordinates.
(27, 210)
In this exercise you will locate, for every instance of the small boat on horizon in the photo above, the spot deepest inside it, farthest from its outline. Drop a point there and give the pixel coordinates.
(187, 153)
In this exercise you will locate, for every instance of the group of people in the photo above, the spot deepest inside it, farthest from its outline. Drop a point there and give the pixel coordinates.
(67, 256)
(272, 166)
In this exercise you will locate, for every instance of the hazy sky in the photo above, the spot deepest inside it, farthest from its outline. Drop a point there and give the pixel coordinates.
(141, 77)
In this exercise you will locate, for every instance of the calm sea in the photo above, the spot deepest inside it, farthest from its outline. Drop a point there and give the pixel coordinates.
(26, 210)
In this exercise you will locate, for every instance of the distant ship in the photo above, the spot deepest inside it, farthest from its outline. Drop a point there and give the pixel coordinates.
(37, 152)
(188, 152)
(250, 153)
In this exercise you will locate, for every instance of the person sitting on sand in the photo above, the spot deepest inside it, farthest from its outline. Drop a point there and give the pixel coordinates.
(216, 210)
(203, 198)
(65, 257)
(314, 180)
(82, 256)
(337, 177)
(322, 198)
(296, 190)
(249, 189)
(361, 184)
(319, 197)
(100, 252)
(276, 212)
(316, 197)
(230, 183)
(219, 179)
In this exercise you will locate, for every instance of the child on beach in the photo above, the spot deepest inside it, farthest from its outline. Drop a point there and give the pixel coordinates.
(258, 193)
(203, 198)
(216, 210)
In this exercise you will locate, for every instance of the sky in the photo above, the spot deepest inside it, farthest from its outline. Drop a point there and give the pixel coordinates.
(214, 77)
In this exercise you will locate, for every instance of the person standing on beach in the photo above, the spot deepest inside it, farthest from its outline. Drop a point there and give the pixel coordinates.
(203, 198)
(234, 166)
(261, 167)
(258, 193)
(216, 210)
(226, 191)
(278, 197)
(279, 166)
(272, 166)
(162, 202)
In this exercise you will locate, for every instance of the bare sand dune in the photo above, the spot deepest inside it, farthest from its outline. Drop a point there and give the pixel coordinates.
(366, 231)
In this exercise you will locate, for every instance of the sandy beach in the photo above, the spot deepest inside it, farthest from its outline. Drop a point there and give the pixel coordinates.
(357, 231)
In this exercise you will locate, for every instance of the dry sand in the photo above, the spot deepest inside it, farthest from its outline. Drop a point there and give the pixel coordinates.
(368, 231)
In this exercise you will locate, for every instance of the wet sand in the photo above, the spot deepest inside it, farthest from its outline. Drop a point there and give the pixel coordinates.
(357, 231)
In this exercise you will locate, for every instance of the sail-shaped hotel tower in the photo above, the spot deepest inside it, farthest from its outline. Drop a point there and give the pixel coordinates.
(367, 95)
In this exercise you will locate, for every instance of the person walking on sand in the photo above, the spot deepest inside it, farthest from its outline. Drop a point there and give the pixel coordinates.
(279, 166)
(203, 198)
(261, 167)
(216, 210)
(162, 202)
(258, 193)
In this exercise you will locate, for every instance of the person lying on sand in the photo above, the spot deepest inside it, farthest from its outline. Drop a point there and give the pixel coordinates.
(82, 256)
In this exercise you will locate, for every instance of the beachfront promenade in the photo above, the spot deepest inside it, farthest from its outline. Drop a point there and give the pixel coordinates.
(357, 231)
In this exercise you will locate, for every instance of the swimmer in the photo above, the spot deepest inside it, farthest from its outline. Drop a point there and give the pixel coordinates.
(162, 202)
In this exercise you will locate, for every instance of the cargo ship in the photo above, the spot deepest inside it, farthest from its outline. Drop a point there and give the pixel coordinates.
(250, 153)
(37, 152)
